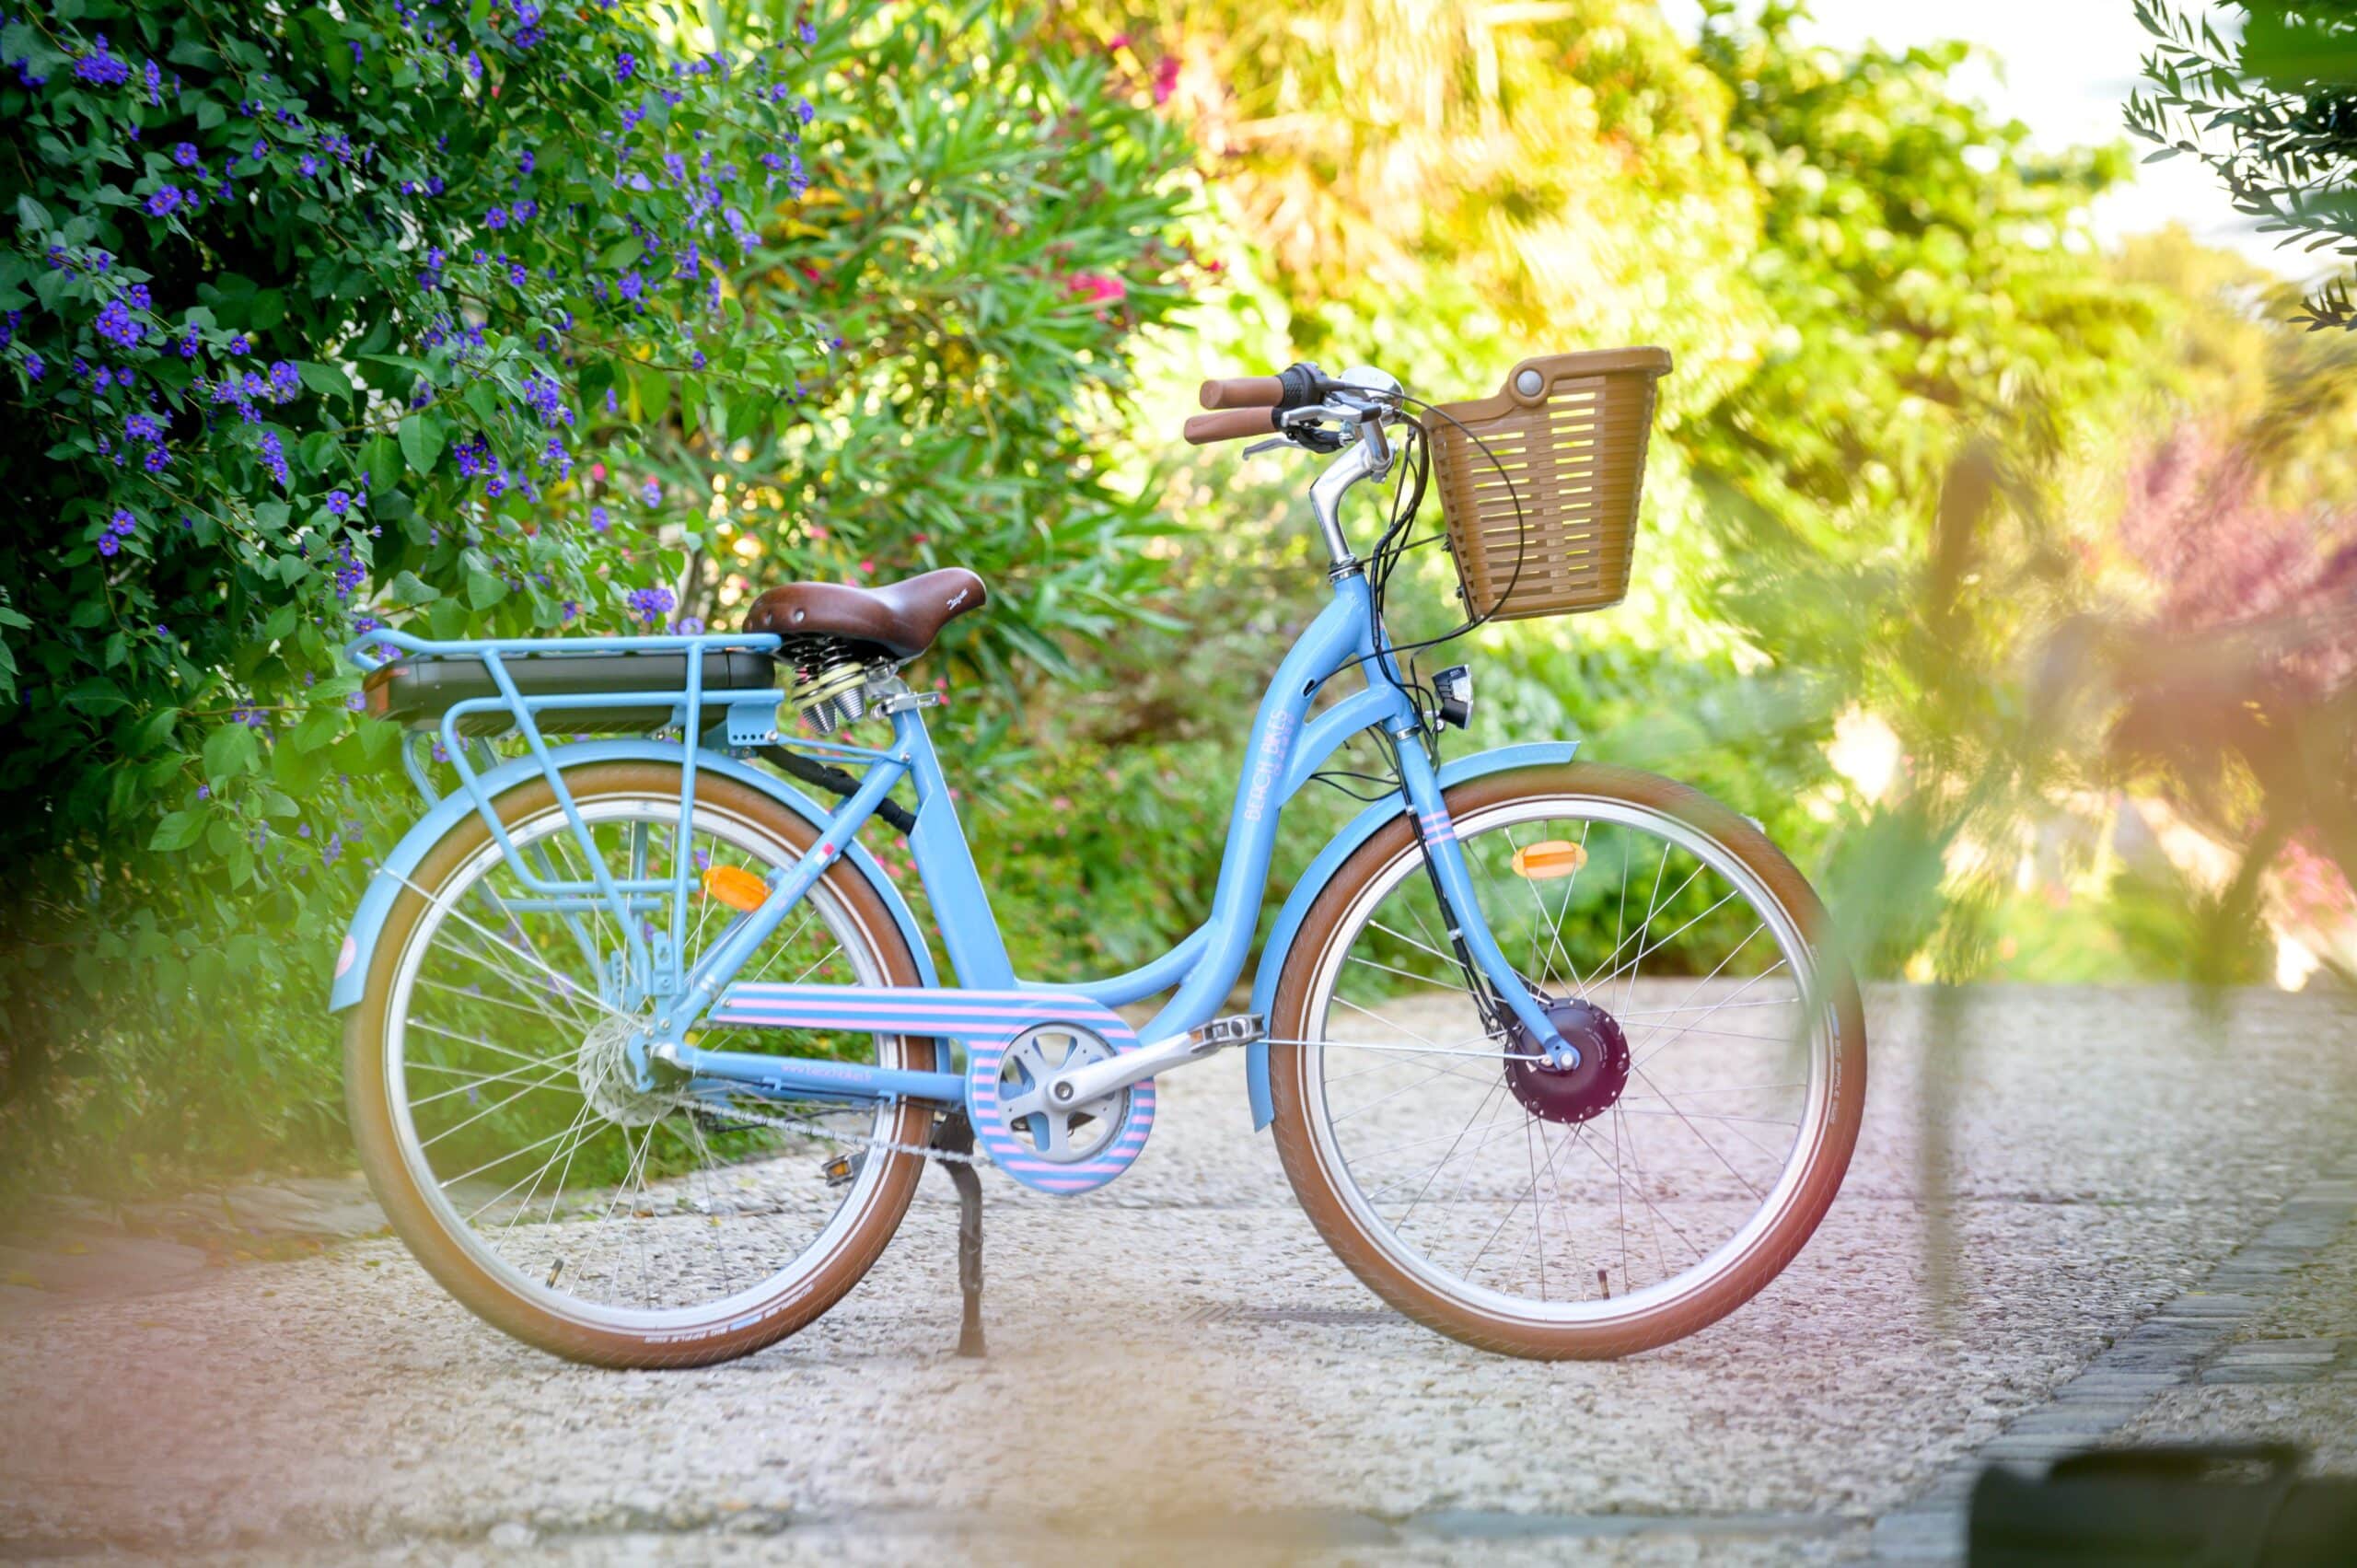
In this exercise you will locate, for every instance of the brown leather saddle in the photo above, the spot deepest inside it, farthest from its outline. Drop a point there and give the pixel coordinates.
(900, 618)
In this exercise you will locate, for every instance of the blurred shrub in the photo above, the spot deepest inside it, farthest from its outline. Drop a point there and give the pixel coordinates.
(530, 307)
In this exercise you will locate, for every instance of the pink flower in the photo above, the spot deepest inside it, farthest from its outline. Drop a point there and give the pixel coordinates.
(1165, 77)
(1095, 286)
(597, 472)
(867, 568)
(1118, 41)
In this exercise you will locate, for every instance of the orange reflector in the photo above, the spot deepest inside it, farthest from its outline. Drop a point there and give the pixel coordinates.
(736, 887)
(1555, 857)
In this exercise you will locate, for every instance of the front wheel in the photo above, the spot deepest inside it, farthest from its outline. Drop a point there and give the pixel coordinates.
(1616, 1206)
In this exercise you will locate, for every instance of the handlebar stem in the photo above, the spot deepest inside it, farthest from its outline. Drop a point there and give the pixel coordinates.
(1368, 456)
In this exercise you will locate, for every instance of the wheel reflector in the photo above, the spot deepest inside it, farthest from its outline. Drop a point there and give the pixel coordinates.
(736, 887)
(1543, 862)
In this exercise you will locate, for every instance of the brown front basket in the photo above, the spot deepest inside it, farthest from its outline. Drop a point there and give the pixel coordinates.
(1568, 431)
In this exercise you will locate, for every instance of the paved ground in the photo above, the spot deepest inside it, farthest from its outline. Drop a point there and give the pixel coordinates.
(1179, 1367)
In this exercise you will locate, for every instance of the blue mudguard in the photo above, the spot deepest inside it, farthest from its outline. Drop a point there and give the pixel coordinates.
(1330, 860)
(360, 941)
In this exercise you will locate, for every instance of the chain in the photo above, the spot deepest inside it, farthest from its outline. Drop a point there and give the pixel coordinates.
(922, 1151)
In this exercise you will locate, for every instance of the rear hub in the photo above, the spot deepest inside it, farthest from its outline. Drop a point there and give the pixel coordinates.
(1569, 1095)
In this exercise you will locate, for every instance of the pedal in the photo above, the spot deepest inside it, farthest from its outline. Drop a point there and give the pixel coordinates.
(843, 1169)
(1236, 1029)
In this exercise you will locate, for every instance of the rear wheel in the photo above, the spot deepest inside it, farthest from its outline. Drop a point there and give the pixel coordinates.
(500, 1127)
(1604, 1209)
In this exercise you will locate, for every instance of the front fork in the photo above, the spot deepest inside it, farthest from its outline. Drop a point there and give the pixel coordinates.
(1468, 929)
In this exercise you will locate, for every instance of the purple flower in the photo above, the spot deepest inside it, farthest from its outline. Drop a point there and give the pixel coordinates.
(496, 218)
(273, 457)
(259, 151)
(166, 198)
(598, 519)
(115, 325)
(309, 164)
(238, 344)
(184, 153)
(339, 501)
(650, 604)
(625, 66)
(107, 545)
(101, 69)
(651, 492)
(34, 367)
(546, 399)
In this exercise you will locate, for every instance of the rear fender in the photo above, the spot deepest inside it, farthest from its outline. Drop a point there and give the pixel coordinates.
(1330, 860)
(359, 948)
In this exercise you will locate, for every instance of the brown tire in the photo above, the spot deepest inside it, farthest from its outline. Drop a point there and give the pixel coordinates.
(745, 1322)
(1825, 1125)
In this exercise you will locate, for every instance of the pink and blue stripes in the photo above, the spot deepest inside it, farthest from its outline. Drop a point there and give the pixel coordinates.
(988, 1021)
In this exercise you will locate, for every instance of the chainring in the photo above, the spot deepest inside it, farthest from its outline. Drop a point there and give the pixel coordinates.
(1063, 1150)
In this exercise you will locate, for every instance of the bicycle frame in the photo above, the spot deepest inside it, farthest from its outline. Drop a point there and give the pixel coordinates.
(990, 1002)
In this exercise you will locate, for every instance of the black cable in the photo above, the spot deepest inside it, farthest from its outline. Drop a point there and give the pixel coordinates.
(1334, 776)
(835, 781)
(1384, 560)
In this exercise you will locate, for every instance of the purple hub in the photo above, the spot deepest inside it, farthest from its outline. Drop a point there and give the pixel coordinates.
(1570, 1095)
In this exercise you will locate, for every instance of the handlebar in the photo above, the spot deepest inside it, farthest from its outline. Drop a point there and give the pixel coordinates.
(1231, 425)
(1259, 405)
(1243, 391)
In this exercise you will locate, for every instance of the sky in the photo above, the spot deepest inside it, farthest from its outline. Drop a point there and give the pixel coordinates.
(2065, 69)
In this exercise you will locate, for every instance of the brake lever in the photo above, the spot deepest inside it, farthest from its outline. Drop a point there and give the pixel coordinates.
(1270, 445)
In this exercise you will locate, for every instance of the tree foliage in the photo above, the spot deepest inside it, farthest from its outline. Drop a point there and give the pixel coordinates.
(2272, 110)
(474, 320)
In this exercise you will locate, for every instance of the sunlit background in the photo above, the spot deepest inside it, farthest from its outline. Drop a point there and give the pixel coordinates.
(1998, 551)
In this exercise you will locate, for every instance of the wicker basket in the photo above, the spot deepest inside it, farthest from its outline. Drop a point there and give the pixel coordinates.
(1569, 431)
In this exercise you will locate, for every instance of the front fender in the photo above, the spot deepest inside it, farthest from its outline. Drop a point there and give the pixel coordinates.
(1330, 860)
(369, 921)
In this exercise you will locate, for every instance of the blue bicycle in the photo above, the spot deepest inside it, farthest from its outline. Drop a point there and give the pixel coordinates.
(645, 1052)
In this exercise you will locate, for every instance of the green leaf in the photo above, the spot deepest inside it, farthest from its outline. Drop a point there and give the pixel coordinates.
(178, 831)
(324, 379)
(96, 695)
(408, 587)
(483, 590)
(421, 438)
(31, 214)
(319, 729)
(381, 461)
(230, 750)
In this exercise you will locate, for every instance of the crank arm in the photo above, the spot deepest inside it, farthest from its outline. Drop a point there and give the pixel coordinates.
(1115, 1073)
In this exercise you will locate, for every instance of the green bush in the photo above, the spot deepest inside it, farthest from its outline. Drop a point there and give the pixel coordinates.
(472, 321)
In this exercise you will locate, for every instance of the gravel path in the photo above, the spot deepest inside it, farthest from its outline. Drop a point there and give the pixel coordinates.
(1177, 1365)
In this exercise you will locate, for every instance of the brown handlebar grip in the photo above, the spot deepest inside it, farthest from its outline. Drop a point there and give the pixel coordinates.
(1230, 424)
(1242, 392)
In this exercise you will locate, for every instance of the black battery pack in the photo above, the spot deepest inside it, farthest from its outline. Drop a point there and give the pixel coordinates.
(415, 692)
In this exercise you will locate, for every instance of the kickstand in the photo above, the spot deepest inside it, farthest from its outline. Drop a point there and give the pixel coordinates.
(956, 1135)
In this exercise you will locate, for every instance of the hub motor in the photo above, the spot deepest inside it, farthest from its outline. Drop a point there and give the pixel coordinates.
(1570, 1095)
